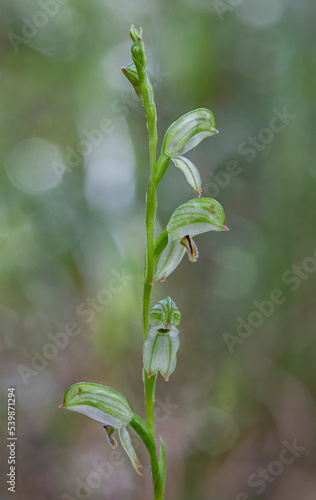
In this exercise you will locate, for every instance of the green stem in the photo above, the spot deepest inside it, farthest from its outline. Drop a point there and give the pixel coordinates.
(150, 227)
(150, 385)
(151, 210)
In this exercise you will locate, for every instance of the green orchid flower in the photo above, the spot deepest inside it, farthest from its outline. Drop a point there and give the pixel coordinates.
(107, 406)
(162, 343)
(194, 217)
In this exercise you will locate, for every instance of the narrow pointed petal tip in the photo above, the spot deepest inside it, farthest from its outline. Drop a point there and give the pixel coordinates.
(61, 406)
(199, 192)
(139, 467)
(216, 131)
(225, 227)
(166, 378)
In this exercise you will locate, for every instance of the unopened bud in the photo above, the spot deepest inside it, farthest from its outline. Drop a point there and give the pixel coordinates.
(135, 33)
(139, 55)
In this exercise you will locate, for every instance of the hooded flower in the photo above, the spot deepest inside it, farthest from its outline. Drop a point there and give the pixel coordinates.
(188, 131)
(190, 219)
(162, 343)
(182, 136)
(106, 406)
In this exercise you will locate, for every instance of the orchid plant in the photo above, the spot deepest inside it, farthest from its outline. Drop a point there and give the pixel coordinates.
(162, 256)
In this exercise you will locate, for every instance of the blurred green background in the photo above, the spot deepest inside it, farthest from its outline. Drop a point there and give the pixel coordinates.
(74, 159)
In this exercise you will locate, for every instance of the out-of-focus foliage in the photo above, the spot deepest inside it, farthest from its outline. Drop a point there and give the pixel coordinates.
(74, 170)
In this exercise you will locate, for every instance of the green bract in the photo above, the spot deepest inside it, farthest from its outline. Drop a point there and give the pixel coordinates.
(139, 54)
(106, 406)
(188, 131)
(162, 343)
(131, 74)
(193, 217)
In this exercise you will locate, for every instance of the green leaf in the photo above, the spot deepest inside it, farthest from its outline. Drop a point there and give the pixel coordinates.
(195, 217)
(162, 464)
(144, 433)
(190, 171)
(161, 167)
(105, 405)
(188, 131)
(160, 244)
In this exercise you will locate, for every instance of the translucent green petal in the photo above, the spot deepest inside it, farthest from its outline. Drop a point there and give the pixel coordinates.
(190, 171)
(100, 403)
(195, 217)
(160, 352)
(128, 447)
(168, 260)
(188, 131)
(165, 312)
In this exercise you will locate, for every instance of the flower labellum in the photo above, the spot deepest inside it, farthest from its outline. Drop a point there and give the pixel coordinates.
(191, 247)
(107, 406)
(162, 343)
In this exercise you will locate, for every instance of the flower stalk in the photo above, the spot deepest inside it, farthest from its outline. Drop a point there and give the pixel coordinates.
(162, 256)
